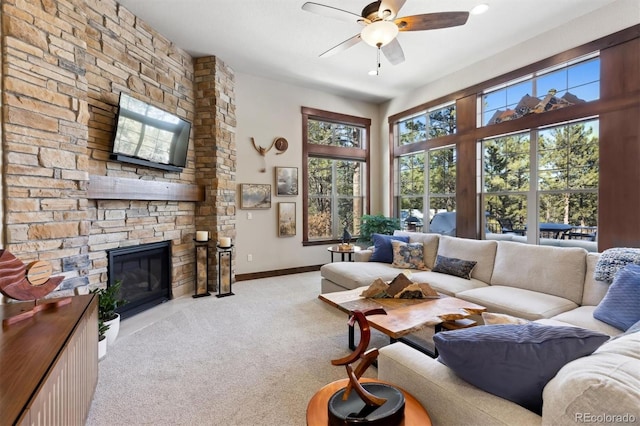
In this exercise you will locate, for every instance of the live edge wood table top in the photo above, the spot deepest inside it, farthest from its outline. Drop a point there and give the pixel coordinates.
(404, 316)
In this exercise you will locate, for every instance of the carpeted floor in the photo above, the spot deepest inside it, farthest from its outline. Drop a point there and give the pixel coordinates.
(252, 359)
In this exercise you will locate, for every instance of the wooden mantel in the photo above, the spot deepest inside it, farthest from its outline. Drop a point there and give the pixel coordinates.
(117, 188)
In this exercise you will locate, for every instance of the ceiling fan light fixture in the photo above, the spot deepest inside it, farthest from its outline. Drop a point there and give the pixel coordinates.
(379, 33)
(479, 9)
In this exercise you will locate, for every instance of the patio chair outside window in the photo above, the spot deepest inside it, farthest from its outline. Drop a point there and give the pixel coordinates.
(506, 225)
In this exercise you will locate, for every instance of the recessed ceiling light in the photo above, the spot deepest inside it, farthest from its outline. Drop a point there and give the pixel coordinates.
(479, 9)
(373, 72)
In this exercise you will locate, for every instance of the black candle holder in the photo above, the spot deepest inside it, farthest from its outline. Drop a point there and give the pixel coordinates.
(222, 253)
(202, 269)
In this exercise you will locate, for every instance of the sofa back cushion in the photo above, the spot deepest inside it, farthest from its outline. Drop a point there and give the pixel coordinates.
(605, 382)
(482, 252)
(558, 271)
(594, 290)
(429, 242)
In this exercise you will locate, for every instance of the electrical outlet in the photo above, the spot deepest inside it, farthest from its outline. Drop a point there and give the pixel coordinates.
(249, 258)
(249, 216)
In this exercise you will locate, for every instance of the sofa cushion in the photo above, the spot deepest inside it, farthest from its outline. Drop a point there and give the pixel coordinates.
(594, 290)
(382, 249)
(350, 275)
(481, 251)
(490, 318)
(514, 362)
(558, 271)
(408, 255)
(621, 305)
(614, 259)
(582, 316)
(454, 266)
(447, 284)
(606, 382)
(518, 302)
(429, 241)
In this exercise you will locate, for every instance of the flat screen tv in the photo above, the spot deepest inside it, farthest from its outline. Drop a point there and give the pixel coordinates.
(146, 135)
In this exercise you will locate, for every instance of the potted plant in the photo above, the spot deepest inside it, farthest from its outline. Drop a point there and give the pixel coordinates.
(102, 339)
(108, 301)
(376, 224)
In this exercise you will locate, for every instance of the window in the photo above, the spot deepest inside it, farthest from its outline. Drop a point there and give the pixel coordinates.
(336, 156)
(553, 169)
(436, 122)
(568, 84)
(424, 178)
(412, 194)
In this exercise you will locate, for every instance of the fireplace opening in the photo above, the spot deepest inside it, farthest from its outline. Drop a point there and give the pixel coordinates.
(145, 273)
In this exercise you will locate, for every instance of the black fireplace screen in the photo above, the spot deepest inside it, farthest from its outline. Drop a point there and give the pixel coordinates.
(145, 274)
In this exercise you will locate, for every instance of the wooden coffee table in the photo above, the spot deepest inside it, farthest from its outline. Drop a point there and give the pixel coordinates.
(318, 415)
(405, 316)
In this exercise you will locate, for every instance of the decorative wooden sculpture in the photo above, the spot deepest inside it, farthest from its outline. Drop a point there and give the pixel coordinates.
(27, 282)
(280, 143)
(377, 410)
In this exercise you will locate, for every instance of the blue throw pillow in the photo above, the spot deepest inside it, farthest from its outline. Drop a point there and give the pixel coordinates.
(382, 249)
(620, 307)
(514, 362)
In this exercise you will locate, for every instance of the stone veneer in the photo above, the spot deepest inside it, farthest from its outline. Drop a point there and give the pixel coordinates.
(64, 63)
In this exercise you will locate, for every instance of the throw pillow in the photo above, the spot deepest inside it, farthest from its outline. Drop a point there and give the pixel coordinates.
(490, 318)
(382, 249)
(514, 362)
(408, 255)
(453, 266)
(614, 259)
(620, 307)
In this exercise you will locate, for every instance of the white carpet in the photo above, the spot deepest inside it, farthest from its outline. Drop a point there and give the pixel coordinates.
(255, 358)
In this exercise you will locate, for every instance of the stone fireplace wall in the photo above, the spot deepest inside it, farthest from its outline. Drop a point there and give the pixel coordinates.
(64, 64)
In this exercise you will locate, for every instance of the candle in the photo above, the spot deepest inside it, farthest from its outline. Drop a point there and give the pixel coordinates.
(202, 235)
(225, 242)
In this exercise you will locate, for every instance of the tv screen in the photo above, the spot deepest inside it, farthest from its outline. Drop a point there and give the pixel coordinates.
(150, 136)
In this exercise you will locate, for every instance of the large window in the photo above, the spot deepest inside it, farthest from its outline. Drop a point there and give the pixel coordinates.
(555, 171)
(425, 173)
(336, 157)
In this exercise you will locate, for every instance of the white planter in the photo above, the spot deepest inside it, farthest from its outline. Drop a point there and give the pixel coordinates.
(102, 348)
(114, 329)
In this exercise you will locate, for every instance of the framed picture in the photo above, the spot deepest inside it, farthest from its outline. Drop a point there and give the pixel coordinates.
(286, 181)
(255, 196)
(286, 219)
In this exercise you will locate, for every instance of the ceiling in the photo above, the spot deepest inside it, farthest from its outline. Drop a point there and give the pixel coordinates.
(278, 40)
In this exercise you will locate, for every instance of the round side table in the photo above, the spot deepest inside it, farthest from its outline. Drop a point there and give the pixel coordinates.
(343, 252)
(317, 410)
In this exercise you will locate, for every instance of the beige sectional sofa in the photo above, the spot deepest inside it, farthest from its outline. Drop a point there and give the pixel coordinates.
(550, 285)
(526, 281)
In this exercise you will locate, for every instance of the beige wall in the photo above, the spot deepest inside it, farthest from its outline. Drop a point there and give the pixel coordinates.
(267, 109)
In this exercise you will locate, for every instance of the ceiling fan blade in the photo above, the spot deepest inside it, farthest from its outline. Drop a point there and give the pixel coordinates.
(432, 21)
(393, 52)
(331, 12)
(342, 46)
(393, 5)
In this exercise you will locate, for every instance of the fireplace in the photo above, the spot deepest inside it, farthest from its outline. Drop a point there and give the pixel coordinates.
(145, 273)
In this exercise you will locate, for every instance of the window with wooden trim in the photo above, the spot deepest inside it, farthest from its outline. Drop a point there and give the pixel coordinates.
(335, 174)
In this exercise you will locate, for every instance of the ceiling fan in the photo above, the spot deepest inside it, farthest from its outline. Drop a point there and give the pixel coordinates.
(381, 25)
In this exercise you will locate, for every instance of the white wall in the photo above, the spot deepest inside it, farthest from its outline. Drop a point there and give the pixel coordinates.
(267, 109)
(614, 17)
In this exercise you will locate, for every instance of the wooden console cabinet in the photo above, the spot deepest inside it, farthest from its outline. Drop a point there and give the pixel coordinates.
(49, 363)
